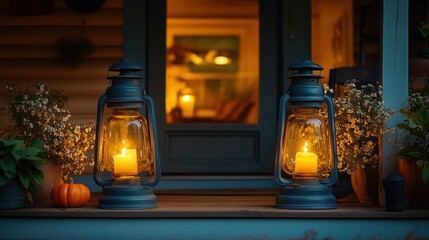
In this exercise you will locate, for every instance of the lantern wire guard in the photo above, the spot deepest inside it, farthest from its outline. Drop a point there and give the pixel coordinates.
(126, 154)
(306, 158)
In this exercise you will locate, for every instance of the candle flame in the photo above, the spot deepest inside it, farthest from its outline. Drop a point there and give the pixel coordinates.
(305, 147)
(186, 98)
(123, 151)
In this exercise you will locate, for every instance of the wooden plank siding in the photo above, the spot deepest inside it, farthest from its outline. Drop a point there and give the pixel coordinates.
(28, 52)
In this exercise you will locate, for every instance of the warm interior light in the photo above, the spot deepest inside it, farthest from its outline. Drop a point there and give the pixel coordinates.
(306, 162)
(222, 60)
(195, 59)
(125, 164)
(187, 105)
(187, 98)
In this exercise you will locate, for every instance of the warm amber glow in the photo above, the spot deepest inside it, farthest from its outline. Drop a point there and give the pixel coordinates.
(187, 98)
(125, 164)
(195, 59)
(306, 162)
(216, 54)
(305, 147)
(222, 60)
(187, 105)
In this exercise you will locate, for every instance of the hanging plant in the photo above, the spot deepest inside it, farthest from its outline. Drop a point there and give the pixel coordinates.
(73, 50)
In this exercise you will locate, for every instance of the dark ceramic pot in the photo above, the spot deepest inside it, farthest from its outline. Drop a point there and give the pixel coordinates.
(12, 195)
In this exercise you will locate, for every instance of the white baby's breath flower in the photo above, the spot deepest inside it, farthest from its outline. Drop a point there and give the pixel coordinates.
(49, 121)
(360, 119)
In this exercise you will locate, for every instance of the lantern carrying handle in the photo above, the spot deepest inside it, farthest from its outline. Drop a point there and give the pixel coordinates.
(97, 151)
(283, 110)
(331, 115)
(154, 143)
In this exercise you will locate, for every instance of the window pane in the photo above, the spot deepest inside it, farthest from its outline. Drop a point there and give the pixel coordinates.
(212, 73)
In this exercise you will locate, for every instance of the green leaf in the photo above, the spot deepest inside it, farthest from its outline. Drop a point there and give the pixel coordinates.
(3, 150)
(23, 161)
(16, 155)
(30, 151)
(37, 175)
(8, 165)
(34, 158)
(3, 179)
(25, 180)
(421, 117)
(32, 169)
(2, 141)
(38, 144)
(417, 122)
(16, 144)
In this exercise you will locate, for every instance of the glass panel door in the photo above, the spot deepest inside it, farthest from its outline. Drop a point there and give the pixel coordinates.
(212, 69)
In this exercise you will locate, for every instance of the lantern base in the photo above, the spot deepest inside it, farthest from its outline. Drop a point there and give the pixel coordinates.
(127, 197)
(306, 197)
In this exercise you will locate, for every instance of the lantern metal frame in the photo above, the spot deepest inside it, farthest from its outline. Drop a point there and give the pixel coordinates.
(125, 91)
(305, 91)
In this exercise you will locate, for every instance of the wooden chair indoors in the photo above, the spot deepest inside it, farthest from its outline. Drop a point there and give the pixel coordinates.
(363, 74)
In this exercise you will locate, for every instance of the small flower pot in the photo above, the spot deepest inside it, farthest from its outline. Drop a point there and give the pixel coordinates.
(415, 189)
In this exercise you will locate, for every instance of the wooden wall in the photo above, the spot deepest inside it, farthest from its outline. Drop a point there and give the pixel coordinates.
(29, 55)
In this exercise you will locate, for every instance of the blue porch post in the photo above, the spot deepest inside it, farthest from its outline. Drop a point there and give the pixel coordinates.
(394, 69)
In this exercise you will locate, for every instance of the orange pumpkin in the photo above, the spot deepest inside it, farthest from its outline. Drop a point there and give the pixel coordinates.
(70, 195)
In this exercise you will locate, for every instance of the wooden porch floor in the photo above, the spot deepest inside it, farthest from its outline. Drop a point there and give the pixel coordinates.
(206, 205)
(205, 215)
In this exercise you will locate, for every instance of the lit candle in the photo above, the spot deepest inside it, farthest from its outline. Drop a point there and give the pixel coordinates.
(125, 163)
(306, 162)
(187, 103)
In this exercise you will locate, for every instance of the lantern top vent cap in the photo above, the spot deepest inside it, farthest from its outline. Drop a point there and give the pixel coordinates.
(125, 65)
(305, 65)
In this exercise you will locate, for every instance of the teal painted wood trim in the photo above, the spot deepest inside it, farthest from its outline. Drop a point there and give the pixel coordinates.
(394, 69)
(334, 229)
(296, 35)
(199, 182)
(221, 182)
(134, 34)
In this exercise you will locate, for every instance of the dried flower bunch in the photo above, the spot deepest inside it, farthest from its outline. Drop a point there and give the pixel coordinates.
(41, 115)
(360, 118)
(417, 100)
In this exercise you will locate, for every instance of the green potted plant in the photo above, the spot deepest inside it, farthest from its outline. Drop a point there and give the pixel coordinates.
(413, 143)
(40, 113)
(19, 170)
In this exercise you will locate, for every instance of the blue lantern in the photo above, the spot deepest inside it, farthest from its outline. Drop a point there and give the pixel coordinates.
(126, 154)
(306, 158)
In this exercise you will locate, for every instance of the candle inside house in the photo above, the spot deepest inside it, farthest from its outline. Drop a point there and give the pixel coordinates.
(125, 163)
(187, 105)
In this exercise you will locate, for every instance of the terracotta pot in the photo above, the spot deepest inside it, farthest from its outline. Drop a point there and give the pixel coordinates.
(365, 182)
(52, 176)
(417, 192)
